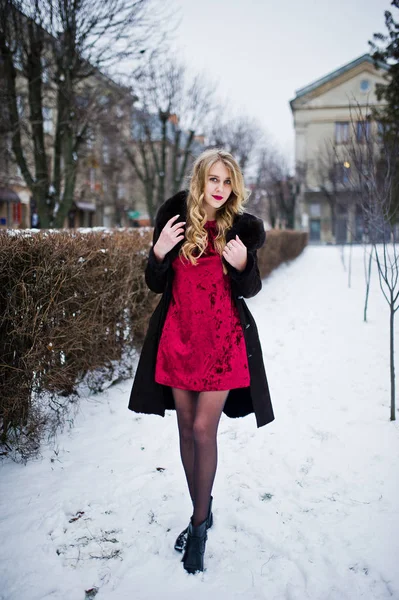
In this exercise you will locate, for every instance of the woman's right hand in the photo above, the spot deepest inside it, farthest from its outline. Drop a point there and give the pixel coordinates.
(170, 235)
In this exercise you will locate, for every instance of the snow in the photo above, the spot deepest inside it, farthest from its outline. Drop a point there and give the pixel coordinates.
(108, 230)
(304, 507)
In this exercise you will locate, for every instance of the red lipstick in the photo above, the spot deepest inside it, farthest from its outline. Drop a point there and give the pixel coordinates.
(217, 197)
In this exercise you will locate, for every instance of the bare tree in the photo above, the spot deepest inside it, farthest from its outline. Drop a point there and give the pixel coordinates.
(106, 150)
(333, 178)
(374, 157)
(168, 126)
(333, 172)
(275, 186)
(239, 135)
(261, 200)
(58, 47)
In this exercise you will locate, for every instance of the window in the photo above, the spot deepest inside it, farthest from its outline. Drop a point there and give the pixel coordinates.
(121, 191)
(315, 209)
(363, 129)
(47, 119)
(45, 70)
(342, 172)
(90, 138)
(106, 151)
(20, 106)
(17, 59)
(341, 132)
(365, 85)
(92, 179)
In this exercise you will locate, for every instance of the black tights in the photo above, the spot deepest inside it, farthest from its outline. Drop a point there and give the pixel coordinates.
(198, 416)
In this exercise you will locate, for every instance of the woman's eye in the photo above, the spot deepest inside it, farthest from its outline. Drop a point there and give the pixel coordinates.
(228, 182)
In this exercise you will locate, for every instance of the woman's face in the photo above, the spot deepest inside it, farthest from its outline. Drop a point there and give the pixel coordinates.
(217, 188)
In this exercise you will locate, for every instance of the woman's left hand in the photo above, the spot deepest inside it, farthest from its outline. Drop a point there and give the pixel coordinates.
(236, 254)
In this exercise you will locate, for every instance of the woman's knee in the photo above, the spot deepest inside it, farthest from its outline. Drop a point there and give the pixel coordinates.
(186, 431)
(202, 432)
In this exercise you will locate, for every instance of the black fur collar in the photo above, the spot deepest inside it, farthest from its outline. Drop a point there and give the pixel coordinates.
(249, 228)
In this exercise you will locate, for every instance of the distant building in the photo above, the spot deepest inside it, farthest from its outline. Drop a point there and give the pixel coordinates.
(326, 208)
(105, 187)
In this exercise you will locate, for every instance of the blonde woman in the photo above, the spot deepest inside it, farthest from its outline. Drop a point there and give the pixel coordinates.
(202, 355)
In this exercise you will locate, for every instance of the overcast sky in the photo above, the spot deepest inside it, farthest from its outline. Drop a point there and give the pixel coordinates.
(261, 52)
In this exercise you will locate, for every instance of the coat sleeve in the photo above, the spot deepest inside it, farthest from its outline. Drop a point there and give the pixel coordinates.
(248, 283)
(156, 273)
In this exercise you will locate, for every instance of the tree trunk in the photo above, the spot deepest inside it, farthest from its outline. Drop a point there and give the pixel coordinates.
(368, 280)
(162, 171)
(149, 193)
(183, 168)
(175, 160)
(34, 74)
(69, 179)
(392, 356)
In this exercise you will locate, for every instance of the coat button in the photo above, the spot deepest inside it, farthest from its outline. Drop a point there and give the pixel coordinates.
(240, 297)
(247, 325)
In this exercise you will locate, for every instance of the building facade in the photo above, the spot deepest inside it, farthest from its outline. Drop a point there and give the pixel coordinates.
(105, 192)
(326, 114)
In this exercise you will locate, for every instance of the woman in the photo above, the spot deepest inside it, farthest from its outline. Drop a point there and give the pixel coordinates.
(202, 355)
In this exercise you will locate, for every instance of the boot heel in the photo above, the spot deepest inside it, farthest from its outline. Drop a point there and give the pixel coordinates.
(181, 539)
(210, 521)
(193, 559)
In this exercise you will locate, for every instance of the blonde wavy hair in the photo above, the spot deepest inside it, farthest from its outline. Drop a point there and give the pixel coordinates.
(196, 236)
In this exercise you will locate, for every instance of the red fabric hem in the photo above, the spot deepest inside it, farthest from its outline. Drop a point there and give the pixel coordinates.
(202, 388)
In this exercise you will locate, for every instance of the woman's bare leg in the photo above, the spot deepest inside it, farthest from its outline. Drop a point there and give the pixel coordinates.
(207, 416)
(185, 403)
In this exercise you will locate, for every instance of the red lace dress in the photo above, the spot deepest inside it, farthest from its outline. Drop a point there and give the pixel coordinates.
(202, 345)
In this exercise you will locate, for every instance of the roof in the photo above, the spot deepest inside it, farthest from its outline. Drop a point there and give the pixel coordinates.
(354, 63)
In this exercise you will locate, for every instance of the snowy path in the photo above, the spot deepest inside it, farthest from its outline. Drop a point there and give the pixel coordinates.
(304, 508)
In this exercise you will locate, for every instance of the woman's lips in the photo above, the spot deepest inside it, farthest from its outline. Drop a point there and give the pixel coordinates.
(217, 197)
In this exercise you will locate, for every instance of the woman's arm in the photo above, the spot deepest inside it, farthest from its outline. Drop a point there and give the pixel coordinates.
(246, 283)
(166, 236)
(156, 272)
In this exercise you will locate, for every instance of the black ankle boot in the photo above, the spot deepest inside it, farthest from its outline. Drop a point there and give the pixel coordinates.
(182, 537)
(193, 558)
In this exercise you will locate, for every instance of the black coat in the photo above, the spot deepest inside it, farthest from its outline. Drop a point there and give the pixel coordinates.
(148, 396)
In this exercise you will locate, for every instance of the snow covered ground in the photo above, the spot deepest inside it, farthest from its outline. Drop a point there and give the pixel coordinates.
(304, 508)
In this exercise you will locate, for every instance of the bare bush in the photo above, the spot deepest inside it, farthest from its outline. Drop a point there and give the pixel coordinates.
(72, 304)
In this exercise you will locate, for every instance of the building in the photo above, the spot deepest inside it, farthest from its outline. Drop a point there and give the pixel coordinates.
(322, 112)
(104, 193)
